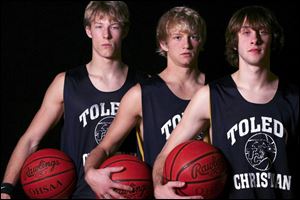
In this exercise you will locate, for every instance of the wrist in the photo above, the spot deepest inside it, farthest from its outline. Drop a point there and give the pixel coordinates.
(7, 188)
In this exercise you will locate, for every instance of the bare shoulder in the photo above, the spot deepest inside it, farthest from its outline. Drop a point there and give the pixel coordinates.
(203, 92)
(135, 92)
(55, 90)
(132, 101)
(58, 81)
(60, 77)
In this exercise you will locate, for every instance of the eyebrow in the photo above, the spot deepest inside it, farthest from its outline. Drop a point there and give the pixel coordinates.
(246, 26)
(114, 23)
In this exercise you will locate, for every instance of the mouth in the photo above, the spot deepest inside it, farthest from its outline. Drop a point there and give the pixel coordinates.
(187, 54)
(106, 45)
(254, 50)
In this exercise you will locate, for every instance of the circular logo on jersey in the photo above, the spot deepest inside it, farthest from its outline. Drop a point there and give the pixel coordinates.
(101, 128)
(260, 151)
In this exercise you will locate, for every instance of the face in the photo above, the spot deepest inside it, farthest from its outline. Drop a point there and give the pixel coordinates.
(182, 48)
(254, 45)
(106, 37)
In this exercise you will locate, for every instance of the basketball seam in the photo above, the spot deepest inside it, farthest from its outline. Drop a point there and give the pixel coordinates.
(183, 193)
(177, 156)
(106, 165)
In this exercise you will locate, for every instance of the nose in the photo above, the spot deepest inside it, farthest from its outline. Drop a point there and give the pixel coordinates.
(106, 33)
(187, 42)
(256, 39)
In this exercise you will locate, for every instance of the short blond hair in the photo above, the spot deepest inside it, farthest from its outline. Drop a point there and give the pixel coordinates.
(117, 10)
(186, 18)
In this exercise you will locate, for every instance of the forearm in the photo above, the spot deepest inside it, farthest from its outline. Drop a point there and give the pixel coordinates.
(22, 150)
(157, 172)
(95, 158)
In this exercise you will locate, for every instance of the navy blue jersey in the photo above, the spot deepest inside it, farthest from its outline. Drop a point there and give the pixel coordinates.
(88, 113)
(254, 138)
(162, 111)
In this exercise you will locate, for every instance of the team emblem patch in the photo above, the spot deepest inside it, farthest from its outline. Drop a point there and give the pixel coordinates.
(260, 151)
(101, 128)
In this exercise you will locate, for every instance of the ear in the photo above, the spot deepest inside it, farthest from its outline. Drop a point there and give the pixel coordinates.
(164, 46)
(88, 31)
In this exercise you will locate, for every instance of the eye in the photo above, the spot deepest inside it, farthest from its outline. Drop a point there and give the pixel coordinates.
(195, 37)
(116, 27)
(176, 37)
(264, 32)
(246, 32)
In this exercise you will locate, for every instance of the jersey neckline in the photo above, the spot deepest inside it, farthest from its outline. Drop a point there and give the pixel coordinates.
(106, 92)
(249, 102)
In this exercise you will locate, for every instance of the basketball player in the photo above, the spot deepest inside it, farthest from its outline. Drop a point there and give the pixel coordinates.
(88, 97)
(156, 105)
(254, 115)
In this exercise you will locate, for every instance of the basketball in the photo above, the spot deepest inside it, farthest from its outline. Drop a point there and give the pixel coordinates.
(48, 174)
(136, 174)
(200, 165)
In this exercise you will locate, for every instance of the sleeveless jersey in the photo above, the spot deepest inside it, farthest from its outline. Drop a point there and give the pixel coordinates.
(88, 113)
(254, 138)
(162, 111)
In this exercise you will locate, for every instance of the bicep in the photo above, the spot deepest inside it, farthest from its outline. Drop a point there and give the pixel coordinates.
(50, 111)
(195, 119)
(128, 115)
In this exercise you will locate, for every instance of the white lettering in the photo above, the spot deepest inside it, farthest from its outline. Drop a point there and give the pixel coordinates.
(175, 120)
(103, 111)
(244, 181)
(230, 134)
(165, 129)
(171, 123)
(84, 157)
(94, 111)
(82, 117)
(278, 183)
(252, 179)
(114, 108)
(262, 180)
(266, 122)
(286, 185)
(278, 128)
(245, 126)
(253, 128)
(236, 182)
(243, 131)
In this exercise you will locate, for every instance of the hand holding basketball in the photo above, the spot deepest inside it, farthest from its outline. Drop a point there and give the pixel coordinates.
(135, 174)
(200, 165)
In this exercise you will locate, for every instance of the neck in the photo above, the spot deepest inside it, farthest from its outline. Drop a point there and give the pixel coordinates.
(179, 74)
(253, 78)
(104, 66)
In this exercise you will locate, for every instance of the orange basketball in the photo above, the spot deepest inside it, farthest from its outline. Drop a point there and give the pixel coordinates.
(200, 165)
(136, 174)
(48, 174)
